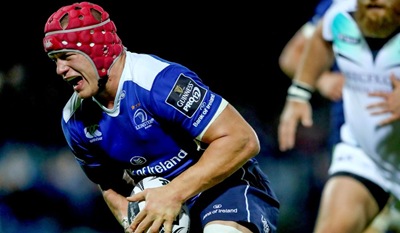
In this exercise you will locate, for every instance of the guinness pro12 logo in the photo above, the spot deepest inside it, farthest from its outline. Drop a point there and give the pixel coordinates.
(186, 95)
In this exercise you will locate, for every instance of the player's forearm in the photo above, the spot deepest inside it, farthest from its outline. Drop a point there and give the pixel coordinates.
(316, 59)
(117, 204)
(203, 176)
(290, 56)
(291, 53)
(221, 159)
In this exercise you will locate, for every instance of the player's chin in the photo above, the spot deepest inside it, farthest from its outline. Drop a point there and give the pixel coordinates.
(82, 95)
(85, 93)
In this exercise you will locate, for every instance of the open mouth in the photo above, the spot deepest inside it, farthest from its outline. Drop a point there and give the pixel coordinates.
(74, 81)
(374, 6)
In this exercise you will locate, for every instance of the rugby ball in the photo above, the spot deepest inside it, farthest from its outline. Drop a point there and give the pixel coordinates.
(182, 223)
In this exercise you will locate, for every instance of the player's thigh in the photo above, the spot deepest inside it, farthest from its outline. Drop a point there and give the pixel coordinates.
(346, 206)
(225, 227)
(388, 220)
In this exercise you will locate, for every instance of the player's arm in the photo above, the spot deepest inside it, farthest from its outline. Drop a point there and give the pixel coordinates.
(231, 142)
(118, 206)
(115, 184)
(388, 103)
(329, 84)
(291, 53)
(316, 58)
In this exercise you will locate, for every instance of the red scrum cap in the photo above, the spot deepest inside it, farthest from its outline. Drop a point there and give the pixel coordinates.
(84, 27)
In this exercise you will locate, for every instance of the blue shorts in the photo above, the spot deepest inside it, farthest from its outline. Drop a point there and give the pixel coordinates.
(246, 197)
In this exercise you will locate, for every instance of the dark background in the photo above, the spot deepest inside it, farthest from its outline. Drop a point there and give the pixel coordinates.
(234, 47)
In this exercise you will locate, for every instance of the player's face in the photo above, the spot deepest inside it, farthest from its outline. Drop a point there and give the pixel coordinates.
(378, 18)
(78, 71)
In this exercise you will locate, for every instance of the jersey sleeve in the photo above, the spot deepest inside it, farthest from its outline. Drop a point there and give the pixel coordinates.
(319, 11)
(338, 7)
(180, 97)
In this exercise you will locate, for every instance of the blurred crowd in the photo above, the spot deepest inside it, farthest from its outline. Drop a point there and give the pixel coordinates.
(42, 188)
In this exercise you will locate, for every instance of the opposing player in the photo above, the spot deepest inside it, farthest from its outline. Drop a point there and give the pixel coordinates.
(136, 115)
(330, 84)
(363, 39)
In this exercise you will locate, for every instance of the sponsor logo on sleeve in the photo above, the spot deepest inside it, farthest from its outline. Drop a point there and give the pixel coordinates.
(186, 95)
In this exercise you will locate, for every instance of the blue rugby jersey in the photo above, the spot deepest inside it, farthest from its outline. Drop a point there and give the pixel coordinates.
(160, 112)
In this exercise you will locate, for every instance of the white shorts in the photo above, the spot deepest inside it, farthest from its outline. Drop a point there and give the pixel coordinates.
(348, 158)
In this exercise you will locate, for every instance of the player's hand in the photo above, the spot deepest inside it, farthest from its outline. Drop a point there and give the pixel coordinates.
(330, 85)
(293, 113)
(161, 209)
(390, 103)
(127, 228)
